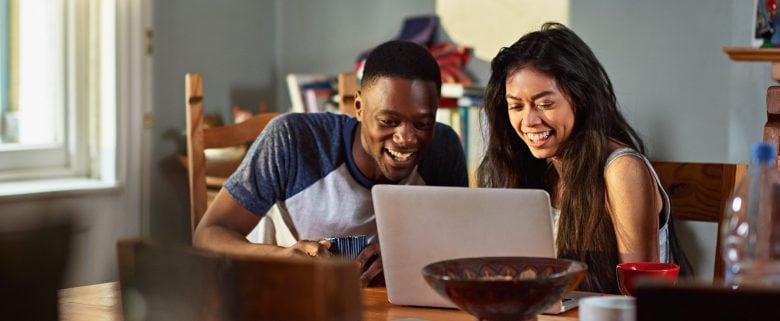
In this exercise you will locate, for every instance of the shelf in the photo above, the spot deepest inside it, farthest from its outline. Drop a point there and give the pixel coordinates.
(753, 54)
(771, 55)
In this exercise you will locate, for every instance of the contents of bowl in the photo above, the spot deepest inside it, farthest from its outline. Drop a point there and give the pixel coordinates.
(504, 288)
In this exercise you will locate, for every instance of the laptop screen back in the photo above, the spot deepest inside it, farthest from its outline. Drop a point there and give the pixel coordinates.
(418, 225)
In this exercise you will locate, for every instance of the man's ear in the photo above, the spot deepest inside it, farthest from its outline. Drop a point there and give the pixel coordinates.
(358, 106)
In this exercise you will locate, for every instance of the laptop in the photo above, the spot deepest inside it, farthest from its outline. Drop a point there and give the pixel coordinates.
(418, 225)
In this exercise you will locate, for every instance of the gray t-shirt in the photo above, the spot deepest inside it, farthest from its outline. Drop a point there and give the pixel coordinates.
(303, 164)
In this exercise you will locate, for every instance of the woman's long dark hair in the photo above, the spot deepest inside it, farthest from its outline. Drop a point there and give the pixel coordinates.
(585, 230)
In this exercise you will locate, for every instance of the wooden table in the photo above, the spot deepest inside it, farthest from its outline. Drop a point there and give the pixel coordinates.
(102, 302)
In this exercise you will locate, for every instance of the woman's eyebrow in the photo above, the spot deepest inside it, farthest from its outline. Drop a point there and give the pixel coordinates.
(534, 97)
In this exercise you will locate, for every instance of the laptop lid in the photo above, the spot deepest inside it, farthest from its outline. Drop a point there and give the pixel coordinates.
(418, 225)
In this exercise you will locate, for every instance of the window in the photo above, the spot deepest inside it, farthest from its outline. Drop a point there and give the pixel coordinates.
(57, 89)
(58, 101)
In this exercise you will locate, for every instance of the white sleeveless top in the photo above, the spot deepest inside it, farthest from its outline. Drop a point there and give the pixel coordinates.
(664, 252)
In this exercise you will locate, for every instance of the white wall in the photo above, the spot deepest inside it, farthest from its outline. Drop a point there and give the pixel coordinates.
(673, 80)
(326, 37)
(231, 43)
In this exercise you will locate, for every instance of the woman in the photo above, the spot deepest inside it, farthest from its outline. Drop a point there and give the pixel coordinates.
(554, 124)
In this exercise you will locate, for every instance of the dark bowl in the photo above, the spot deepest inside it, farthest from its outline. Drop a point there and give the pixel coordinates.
(504, 288)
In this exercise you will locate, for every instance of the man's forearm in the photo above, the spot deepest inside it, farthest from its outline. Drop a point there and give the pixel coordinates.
(221, 239)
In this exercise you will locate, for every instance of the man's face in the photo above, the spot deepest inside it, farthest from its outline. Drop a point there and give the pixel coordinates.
(397, 118)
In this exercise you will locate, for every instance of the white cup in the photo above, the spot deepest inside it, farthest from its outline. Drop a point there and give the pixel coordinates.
(608, 308)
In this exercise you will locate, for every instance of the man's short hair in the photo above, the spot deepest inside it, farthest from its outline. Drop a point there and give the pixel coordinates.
(402, 59)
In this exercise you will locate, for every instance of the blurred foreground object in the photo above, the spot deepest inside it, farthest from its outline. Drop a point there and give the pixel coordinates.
(750, 232)
(33, 259)
(174, 282)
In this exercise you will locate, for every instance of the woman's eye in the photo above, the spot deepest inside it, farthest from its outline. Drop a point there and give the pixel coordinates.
(515, 107)
(544, 105)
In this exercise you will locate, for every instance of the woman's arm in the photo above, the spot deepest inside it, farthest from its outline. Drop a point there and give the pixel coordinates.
(634, 203)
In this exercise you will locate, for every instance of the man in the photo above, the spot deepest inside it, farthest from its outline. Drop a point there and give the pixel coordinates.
(319, 168)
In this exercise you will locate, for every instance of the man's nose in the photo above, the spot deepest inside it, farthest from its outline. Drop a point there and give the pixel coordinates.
(404, 135)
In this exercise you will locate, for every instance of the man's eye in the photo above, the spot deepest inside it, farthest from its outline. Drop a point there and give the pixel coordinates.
(387, 122)
(424, 125)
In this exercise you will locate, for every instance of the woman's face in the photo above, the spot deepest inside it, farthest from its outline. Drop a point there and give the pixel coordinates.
(539, 111)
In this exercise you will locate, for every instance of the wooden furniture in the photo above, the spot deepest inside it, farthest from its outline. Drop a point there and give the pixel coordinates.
(347, 92)
(772, 126)
(176, 282)
(699, 191)
(98, 302)
(757, 54)
(102, 302)
(201, 172)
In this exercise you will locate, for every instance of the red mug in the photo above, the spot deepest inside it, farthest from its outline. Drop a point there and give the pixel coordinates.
(630, 274)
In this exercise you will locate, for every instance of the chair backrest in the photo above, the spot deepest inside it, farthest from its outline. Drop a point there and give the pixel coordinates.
(202, 172)
(347, 92)
(772, 125)
(699, 192)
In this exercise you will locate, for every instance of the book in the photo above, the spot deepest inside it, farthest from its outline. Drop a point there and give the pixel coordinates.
(459, 90)
(473, 131)
(298, 83)
(318, 100)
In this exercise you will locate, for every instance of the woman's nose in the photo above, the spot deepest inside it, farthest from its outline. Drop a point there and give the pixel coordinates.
(531, 117)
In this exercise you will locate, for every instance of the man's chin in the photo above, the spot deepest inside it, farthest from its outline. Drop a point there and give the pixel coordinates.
(396, 176)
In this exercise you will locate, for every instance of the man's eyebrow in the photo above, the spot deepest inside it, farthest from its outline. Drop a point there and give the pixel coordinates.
(534, 97)
(397, 114)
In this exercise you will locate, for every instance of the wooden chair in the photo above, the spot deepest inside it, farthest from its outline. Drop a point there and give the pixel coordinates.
(201, 172)
(699, 191)
(177, 282)
(772, 125)
(347, 92)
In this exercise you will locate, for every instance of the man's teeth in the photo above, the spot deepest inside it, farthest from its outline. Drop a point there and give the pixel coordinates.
(399, 155)
(534, 137)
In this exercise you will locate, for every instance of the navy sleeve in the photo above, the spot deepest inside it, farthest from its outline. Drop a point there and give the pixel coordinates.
(444, 163)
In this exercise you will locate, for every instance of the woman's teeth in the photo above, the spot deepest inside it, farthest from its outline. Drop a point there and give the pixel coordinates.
(535, 137)
(399, 155)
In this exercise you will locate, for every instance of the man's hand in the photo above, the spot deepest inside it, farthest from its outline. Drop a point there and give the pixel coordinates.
(370, 261)
(306, 248)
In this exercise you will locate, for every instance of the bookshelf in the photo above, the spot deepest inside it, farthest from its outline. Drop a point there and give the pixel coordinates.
(771, 55)
(460, 108)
